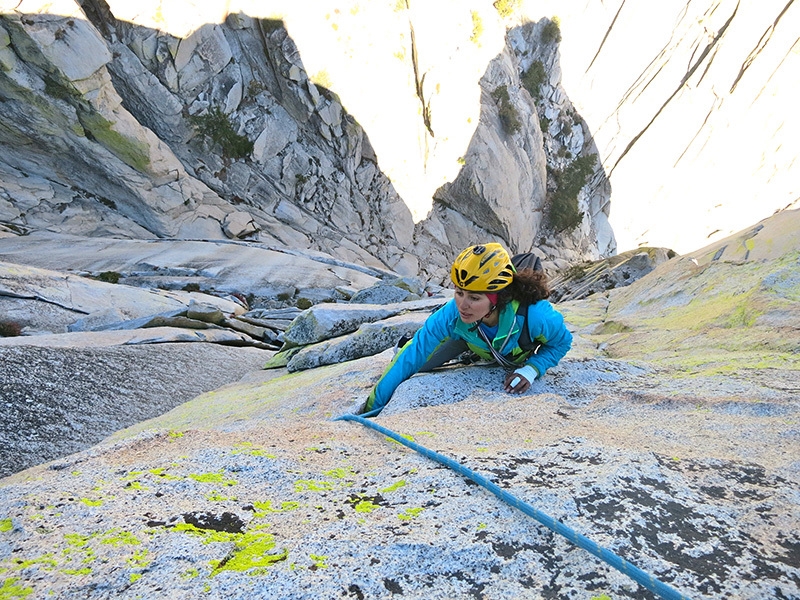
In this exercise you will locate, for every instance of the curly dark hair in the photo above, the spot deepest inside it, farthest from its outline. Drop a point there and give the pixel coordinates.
(528, 287)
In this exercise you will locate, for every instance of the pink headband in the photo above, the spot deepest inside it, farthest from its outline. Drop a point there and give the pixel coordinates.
(492, 298)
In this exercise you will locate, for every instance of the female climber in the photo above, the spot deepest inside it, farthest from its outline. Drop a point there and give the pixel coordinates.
(498, 313)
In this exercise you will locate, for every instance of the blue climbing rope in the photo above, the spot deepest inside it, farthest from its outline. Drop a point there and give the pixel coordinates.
(641, 577)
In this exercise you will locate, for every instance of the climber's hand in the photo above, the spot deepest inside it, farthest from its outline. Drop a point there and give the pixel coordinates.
(516, 383)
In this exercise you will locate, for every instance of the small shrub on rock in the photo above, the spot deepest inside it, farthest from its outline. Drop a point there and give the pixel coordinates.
(10, 328)
(564, 213)
(551, 32)
(216, 126)
(108, 277)
(533, 78)
(508, 114)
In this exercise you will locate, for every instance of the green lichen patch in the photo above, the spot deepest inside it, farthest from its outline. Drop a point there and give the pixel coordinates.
(119, 537)
(164, 476)
(47, 561)
(410, 514)
(217, 496)
(282, 358)
(11, 589)
(610, 327)
(319, 561)
(366, 504)
(249, 449)
(312, 485)
(407, 436)
(252, 551)
(394, 487)
(340, 472)
(90, 502)
(262, 509)
(6, 525)
(140, 559)
(132, 152)
(190, 574)
(218, 477)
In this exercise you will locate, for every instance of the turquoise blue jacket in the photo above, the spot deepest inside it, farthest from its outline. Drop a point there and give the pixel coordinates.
(545, 324)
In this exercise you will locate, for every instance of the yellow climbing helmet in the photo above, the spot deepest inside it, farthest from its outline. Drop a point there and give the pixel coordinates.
(483, 268)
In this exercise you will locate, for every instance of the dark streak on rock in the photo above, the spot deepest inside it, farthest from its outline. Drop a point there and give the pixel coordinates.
(678, 88)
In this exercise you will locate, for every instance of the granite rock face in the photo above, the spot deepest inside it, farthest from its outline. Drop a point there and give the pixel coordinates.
(668, 435)
(219, 131)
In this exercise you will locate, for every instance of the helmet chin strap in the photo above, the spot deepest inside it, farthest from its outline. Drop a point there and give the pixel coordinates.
(479, 321)
(492, 296)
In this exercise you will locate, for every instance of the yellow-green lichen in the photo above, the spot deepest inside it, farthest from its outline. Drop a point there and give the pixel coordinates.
(6, 525)
(46, 561)
(78, 549)
(140, 559)
(159, 472)
(216, 496)
(339, 472)
(394, 487)
(10, 589)
(265, 508)
(190, 574)
(410, 438)
(409, 514)
(134, 577)
(312, 485)
(218, 477)
(119, 537)
(365, 506)
(249, 449)
(132, 152)
(251, 551)
(319, 561)
(90, 502)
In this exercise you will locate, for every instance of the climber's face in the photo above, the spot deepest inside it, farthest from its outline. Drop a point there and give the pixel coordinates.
(472, 306)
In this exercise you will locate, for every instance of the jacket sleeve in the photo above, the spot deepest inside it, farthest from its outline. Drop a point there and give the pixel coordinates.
(546, 325)
(438, 327)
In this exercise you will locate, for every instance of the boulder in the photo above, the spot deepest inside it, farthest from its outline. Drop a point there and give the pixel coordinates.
(388, 291)
(325, 321)
(31, 289)
(205, 312)
(370, 339)
(239, 225)
(584, 279)
(382, 293)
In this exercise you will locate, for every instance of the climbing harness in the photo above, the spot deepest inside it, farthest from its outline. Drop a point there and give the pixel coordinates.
(641, 577)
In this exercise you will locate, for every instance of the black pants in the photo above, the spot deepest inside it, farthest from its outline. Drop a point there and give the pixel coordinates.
(447, 350)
